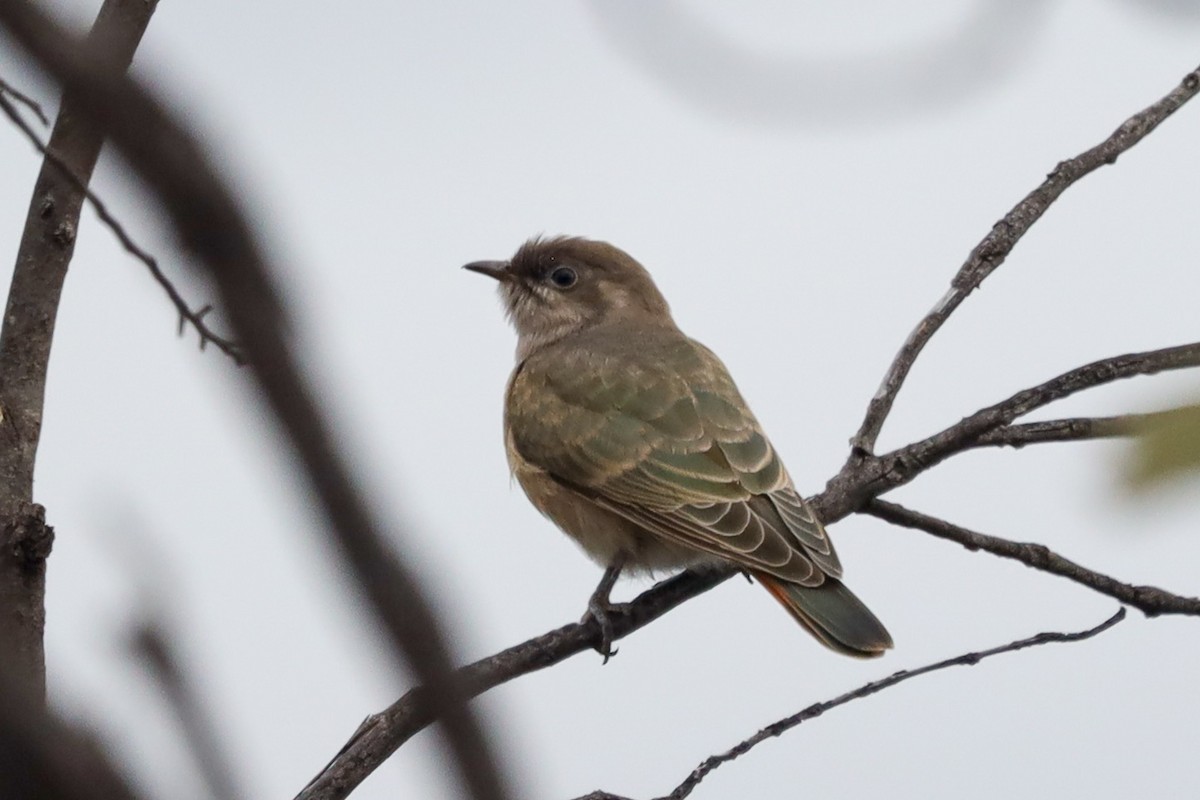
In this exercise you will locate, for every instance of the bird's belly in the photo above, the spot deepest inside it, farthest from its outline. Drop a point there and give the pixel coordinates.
(602, 533)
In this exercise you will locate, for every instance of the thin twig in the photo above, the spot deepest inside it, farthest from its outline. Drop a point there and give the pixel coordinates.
(995, 247)
(1072, 429)
(812, 712)
(209, 222)
(1098, 373)
(186, 314)
(25, 100)
(867, 477)
(1150, 600)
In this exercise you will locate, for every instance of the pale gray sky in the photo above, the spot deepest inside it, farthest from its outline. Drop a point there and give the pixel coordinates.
(801, 209)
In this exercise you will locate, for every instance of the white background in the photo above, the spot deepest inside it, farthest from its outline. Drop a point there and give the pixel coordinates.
(802, 179)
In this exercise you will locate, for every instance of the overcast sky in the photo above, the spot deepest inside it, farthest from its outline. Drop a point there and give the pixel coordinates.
(802, 179)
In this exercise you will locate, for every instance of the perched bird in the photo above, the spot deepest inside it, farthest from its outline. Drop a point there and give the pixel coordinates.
(634, 440)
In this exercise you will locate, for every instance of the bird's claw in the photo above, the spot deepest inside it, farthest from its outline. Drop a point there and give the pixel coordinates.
(599, 610)
(599, 607)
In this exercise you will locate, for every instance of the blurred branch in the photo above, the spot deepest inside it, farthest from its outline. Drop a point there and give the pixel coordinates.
(995, 247)
(186, 314)
(25, 100)
(43, 758)
(817, 709)
(1150, 600)
(152, 642)
(205, 214)
(47, 244)
(703, 64)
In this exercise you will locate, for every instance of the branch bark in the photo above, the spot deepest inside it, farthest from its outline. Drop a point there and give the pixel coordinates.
(47, 244)
(1071, 429)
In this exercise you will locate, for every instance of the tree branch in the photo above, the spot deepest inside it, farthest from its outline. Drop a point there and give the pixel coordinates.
(1072, 429)
(995, 247)
(817, 709)
(382, 734)
(186, 314)
(210, 224)
(47, 244)
(1150, 600)
(867, 477)
(25, 100)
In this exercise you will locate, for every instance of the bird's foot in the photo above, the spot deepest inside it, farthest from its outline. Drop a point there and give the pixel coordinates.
(602, 611)
(600, 608)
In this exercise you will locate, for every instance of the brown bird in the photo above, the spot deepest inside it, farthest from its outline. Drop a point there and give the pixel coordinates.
(634, 440)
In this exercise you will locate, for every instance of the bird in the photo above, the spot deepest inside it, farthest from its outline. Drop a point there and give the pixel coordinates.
(634, 440)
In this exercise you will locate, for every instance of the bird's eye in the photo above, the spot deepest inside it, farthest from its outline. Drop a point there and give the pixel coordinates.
(563, 277)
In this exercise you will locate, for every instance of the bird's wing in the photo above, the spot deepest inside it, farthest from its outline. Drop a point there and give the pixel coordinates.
(665, 439)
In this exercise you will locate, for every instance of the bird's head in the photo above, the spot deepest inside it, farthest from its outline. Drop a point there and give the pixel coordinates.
(553, 288)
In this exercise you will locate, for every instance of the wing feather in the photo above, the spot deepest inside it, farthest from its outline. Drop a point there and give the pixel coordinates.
(662, 437)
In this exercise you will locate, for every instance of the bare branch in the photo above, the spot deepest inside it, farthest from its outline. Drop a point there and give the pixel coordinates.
(1098, 373)
(209, 222)
(995, 247)
(812, 712)
(47, 244)
(25, 100)
(867, 477)
(381, 734)
(186, 314)
(1150, 600)
(1072, 429)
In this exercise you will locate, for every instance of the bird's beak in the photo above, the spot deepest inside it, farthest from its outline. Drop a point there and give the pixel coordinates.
(493, 269)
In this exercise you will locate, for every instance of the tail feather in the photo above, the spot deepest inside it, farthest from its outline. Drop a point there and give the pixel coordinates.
(832, 614)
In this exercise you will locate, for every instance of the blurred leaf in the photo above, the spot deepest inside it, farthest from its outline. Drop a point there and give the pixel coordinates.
(1167, 446)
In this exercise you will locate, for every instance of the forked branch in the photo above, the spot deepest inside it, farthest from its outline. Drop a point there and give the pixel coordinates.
(996, 246)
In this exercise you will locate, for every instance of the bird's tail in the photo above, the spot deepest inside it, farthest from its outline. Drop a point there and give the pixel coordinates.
(832, 614)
